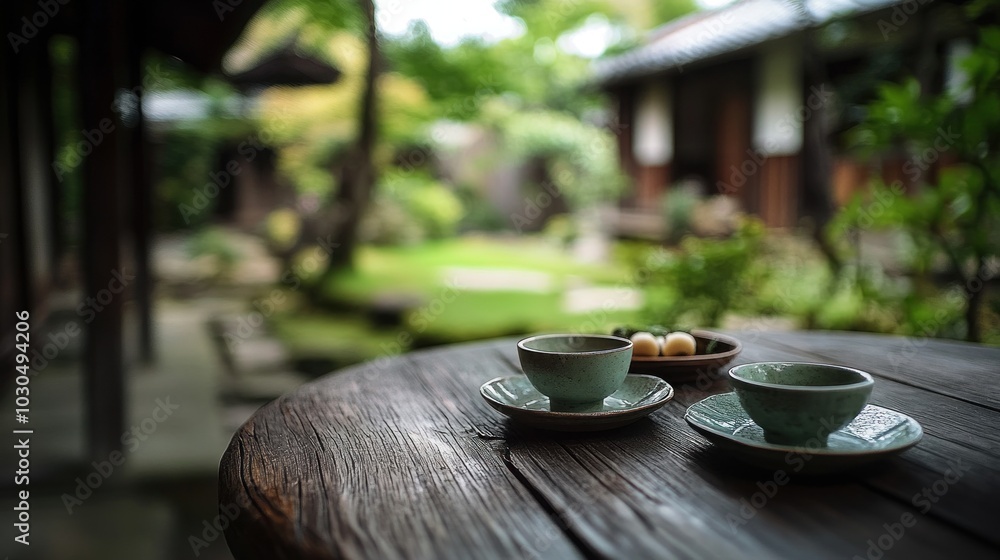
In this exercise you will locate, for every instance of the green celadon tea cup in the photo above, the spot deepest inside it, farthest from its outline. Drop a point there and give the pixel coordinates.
(800, 403)
(575, 371)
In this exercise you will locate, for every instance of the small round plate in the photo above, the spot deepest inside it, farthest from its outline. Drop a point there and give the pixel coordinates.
(638, 396)
(875, 434)
(687, 368)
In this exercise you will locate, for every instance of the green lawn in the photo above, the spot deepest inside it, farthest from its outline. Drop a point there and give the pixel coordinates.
(419, 269)
(444, 314)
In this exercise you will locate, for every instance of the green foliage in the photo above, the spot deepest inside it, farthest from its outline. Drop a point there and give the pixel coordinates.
(458, 79)
(411, 207)
(186, 160)
(532, 69)
(580, 158)
(954, 214)
(282, 228)
(561, 229)
(185, 163)
(664, 12)
(678, 206)
(480, 213)
(329, 15)
(703, 279)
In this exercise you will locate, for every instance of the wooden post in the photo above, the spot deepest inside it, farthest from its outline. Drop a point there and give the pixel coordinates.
(12, 295)
(101, 58)
(17, 236)
(141, 188)
(48, 149)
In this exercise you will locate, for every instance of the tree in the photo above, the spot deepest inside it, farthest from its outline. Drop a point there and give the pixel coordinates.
(954, 210)
(358, 176)
(338, 224)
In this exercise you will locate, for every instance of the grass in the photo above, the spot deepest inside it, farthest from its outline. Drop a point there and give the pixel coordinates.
(419, 270)
(476, 315)
(320, 334)
(446, 314)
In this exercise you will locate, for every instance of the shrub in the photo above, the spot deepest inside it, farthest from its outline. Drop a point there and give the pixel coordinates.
(212, 244)
(678, 205)
(282, 228)
(409, 207)
(704, 278)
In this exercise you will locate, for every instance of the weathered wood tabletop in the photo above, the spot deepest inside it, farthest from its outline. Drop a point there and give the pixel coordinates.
(403, 459)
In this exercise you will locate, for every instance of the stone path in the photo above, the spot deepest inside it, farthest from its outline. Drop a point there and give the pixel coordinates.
(498, 279)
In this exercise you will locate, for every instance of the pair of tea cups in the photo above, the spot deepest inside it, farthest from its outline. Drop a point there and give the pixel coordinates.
(792, 402)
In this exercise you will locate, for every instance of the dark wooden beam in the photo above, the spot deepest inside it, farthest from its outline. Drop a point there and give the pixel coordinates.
(46, 98)
(35, 172)
(142, 188)
(12, 298)
(102, 60)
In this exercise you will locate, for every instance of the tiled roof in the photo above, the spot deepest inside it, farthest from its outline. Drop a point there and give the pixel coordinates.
(711, 33)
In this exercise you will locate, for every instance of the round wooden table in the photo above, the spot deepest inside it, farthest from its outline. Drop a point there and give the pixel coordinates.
(401, 458)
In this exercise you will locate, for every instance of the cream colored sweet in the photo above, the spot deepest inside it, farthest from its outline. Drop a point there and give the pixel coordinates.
(678, 344)
(644, 344)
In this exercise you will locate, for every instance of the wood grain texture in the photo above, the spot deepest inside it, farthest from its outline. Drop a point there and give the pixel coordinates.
(401, 459)
(384, 462)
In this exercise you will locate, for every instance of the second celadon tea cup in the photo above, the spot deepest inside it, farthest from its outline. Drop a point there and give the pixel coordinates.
(576, 371)
(798, 403)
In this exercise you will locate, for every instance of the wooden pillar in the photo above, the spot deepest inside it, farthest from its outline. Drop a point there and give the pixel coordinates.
(36, 175)
(57, 236)
(622, 129)
(13, 296)
(733, 155)
(102, 58)
(141, 187)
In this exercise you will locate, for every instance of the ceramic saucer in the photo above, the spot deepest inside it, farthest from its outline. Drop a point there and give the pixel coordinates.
(876, 433)
(638, 396)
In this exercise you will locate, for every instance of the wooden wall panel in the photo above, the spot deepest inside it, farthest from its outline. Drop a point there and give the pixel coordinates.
(651, 183)
(732, 137)
(779, 180)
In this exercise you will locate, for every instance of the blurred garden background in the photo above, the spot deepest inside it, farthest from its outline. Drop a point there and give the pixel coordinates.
(470, 183)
